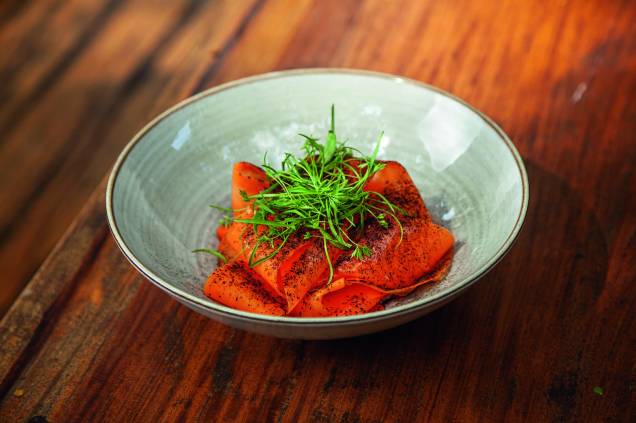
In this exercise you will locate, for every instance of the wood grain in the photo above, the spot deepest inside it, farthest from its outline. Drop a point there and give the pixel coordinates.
(89, 340)
(55, 152)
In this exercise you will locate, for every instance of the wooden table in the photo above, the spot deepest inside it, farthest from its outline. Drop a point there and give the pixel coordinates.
(549, 335)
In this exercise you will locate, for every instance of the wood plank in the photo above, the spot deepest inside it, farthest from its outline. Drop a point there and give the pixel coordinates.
(210, 369)
(21, 327)
(529, 343)
(259, 49)
(104, 106)
(40, 50)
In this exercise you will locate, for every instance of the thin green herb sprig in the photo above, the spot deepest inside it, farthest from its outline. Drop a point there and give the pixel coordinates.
(212, 252)
(321, 195)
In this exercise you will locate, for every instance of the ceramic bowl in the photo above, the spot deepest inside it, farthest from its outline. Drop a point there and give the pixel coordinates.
(468, 171)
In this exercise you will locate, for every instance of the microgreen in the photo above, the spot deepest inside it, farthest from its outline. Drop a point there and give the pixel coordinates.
(319, 195)
(215, 253)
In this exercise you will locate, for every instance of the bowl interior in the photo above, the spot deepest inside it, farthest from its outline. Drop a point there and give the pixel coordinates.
(469, 176)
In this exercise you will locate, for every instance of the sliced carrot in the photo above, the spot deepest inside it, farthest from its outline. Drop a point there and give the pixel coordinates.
(392, 173)
(340, 297)
(240, 239)
(251, 180)
(395, 184)
(269, 270)
(294, 270)
(400, 254)
(221, 231)
(231, 245)
(348, 297)
(394, 264)
(403, 256)
(305, 270)
(234, 285)
(247, 178)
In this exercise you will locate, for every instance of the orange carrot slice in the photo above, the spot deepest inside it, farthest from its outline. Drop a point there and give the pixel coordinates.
(296, 269)
(339, 298)
(305, 270)
(295, 278)
(394, 264)
(345, 297)
(250, 179)
(236, 286)
(397, 258)
(221, 231)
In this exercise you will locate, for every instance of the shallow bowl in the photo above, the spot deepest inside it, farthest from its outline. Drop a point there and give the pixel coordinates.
(468, 171)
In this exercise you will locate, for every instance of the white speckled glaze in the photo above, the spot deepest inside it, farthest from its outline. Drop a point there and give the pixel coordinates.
(466, 168)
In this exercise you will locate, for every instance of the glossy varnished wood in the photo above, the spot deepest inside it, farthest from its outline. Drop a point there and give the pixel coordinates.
(78, 81)
(90, 340)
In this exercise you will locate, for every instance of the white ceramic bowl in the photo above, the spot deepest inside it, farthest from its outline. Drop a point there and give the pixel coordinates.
(468, 171)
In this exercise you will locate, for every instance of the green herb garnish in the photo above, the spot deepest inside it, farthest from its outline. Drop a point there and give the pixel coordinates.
(598, 390)
(321, 195)
(215, 253)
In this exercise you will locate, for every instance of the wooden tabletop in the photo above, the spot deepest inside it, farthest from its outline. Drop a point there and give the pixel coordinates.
(548, 335)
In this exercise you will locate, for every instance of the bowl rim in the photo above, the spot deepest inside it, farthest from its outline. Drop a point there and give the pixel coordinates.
(264, 318)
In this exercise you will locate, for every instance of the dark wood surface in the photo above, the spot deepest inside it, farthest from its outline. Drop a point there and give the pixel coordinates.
(90, 340)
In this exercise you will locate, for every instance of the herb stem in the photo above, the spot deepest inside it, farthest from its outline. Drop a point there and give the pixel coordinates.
(322, 194)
